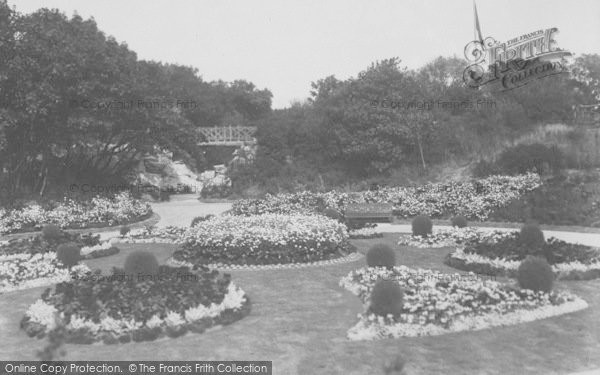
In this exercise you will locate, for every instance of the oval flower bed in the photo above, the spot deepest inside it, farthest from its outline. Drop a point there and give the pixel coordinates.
(501, 256)
(436, 303)
(122, 308)
(90, 245)
(264, 239)
(452, 237)
(98, 212)
(23, 271)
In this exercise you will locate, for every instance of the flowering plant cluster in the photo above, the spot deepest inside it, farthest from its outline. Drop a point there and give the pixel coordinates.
(121, 209)
(38, 244)
(365, 233)
(23, 271)
(568, 261)
(108, 308)
(453, 236)
(263, 239)
(475, 199)
(436, 303)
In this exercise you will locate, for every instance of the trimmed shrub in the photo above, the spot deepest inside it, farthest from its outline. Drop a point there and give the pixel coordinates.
(386, 298)
(422, 226)
(68, 254)
(332, 214)
(531, 236)
(381, 255)
(459, 221)
(199, 219)
(141, 263)
(124, 230)
(51, 232)
(536, 274)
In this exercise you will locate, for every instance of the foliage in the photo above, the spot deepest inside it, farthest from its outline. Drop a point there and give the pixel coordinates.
(386, 298)
(523, 158)
(141, 263)
(68, 254)
(561, 200)
(535, 274)
(333, 214)
(98, 211)
(459, 221)
(39, 245)
(124, 230)
(118, 308)
(263, 239)
(421, 226)
(436, 303)
(199, 219)
(51, 232)
(475, 198)
(381, 255)
(531, 236)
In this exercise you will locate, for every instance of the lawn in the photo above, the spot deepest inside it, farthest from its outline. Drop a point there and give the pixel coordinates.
(300, 317)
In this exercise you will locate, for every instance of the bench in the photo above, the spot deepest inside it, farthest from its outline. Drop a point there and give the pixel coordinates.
(362, 213)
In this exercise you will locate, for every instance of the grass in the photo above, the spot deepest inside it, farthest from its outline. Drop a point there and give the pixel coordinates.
(300, 317)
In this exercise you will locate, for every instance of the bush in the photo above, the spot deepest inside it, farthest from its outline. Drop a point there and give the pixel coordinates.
(536, 274)
(332, 214)
(459, 221)
(141, 262)
(68, 254)
(533, 157)
(51, 232)
(199, 219)
(124, 230)
(421, 226)
(386, 298)
(381, 255)
(531, 236)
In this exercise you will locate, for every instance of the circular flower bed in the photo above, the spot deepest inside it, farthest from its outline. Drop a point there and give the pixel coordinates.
(502, 256)
(435, 303)
(90, 245)
(122, 308)
(264, 239)
(23, 271)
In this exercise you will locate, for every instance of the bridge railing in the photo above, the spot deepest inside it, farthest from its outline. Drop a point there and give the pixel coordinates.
(228, 135)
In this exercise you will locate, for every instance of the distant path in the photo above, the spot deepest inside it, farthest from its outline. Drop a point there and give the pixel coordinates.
(182, 208)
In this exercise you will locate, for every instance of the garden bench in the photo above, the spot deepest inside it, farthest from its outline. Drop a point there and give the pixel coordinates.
(360, 213)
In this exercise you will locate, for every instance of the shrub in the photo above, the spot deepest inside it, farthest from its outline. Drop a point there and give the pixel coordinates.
(199, 219)
(381, 255)
(536, 274)
(141, 262)
(459, 221)
(124, 230)
(386, 298)
(332, 214)
(68, 254)
(421, 226)
(533, 157)
(51, 232)
(531, 236)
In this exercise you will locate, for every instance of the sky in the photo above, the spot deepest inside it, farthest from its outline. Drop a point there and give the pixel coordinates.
(285, 45)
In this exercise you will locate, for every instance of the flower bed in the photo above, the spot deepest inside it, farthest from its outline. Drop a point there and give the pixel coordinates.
(436, 303)
(452, 237)
(90, 245)
(264, 239)
(365, 233)
(122, 308)
(23, 271)
(503, 257)
(475, 199)
(99, 211)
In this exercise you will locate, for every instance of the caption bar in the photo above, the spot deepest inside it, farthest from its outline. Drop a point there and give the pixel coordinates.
(135, 367)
